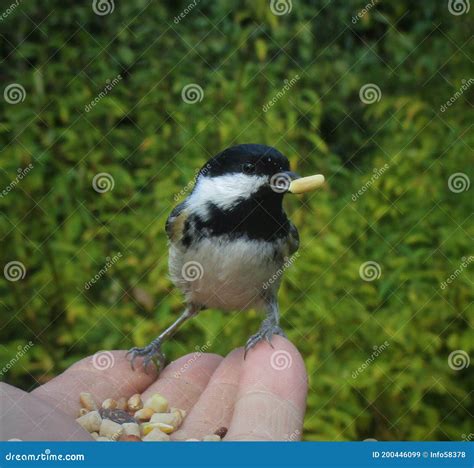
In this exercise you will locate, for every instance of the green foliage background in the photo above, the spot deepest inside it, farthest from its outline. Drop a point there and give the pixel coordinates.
(152, 142)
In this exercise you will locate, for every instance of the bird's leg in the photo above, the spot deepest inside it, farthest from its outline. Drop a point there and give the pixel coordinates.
(153, 352)
(270, 326)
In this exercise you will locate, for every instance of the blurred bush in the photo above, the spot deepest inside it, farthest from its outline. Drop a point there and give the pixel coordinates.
(151, 142)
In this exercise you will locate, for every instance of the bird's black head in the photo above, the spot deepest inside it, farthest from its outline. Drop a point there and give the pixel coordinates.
(249, 170)
(239, 192)
(250, 159)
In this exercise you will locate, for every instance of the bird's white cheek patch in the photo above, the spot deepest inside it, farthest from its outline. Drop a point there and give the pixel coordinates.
(223, 191)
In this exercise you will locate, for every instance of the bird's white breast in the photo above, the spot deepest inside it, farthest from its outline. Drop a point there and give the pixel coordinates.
(227, 274)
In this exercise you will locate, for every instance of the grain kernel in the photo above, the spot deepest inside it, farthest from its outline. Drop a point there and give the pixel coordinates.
(122, 403)
(221, 432)
(306, 184)
(87, 401)
(109, 403)
(131, 429)
(171, 419)
(135, 402)
(91, 421)
(110, 429)
(144, 414)
(156, 435)
(148, 427)
(158, 403)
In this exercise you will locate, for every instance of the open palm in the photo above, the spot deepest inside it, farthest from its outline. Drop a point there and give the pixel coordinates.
(259, 398)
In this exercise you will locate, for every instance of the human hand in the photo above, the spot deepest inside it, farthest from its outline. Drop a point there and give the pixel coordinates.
(260, 398)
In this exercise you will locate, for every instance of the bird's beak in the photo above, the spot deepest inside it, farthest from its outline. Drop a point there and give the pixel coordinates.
(304, 184)
(292, 175)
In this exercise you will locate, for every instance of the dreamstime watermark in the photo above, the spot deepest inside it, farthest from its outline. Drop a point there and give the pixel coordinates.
(275, 277)
(103, 360)
(192, 271)
(370, 271)
(377, 351)
(21, 174)
(281, 7)
(280, 182)
(14, 93)
(458, 7)
(192, 93)
(109, 263)
(362, 12)
(103, 7)
(377, 173)
(465, 261)
(22, 350)
(459, 182)
(9, 10)
(200, 350)
(285, 88)
(103, 182)
(281, 360)
(109, 86)
(370, 93)
(14, 271)
(185, 12)
(458, 360)
(466, 84)
(44, 456)
(467, 437)
(203, 171)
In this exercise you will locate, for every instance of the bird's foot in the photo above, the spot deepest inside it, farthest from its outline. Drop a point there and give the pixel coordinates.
(265, 333)
(150, 353)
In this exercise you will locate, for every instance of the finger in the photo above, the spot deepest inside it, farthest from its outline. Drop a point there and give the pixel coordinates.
(214, 408)
(26, 417)
(183, 380)
(271, 398)
(106, 374)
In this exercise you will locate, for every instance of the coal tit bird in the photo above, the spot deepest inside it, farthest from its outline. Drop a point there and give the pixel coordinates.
(229, 237)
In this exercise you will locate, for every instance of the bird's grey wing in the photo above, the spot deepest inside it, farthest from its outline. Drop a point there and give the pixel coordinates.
(175, 223)
(293, 239)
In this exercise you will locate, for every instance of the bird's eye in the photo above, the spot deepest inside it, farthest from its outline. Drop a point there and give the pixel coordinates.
(248, 168)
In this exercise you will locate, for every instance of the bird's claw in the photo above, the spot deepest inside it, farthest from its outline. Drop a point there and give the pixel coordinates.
(150, 353)
(265, 333)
